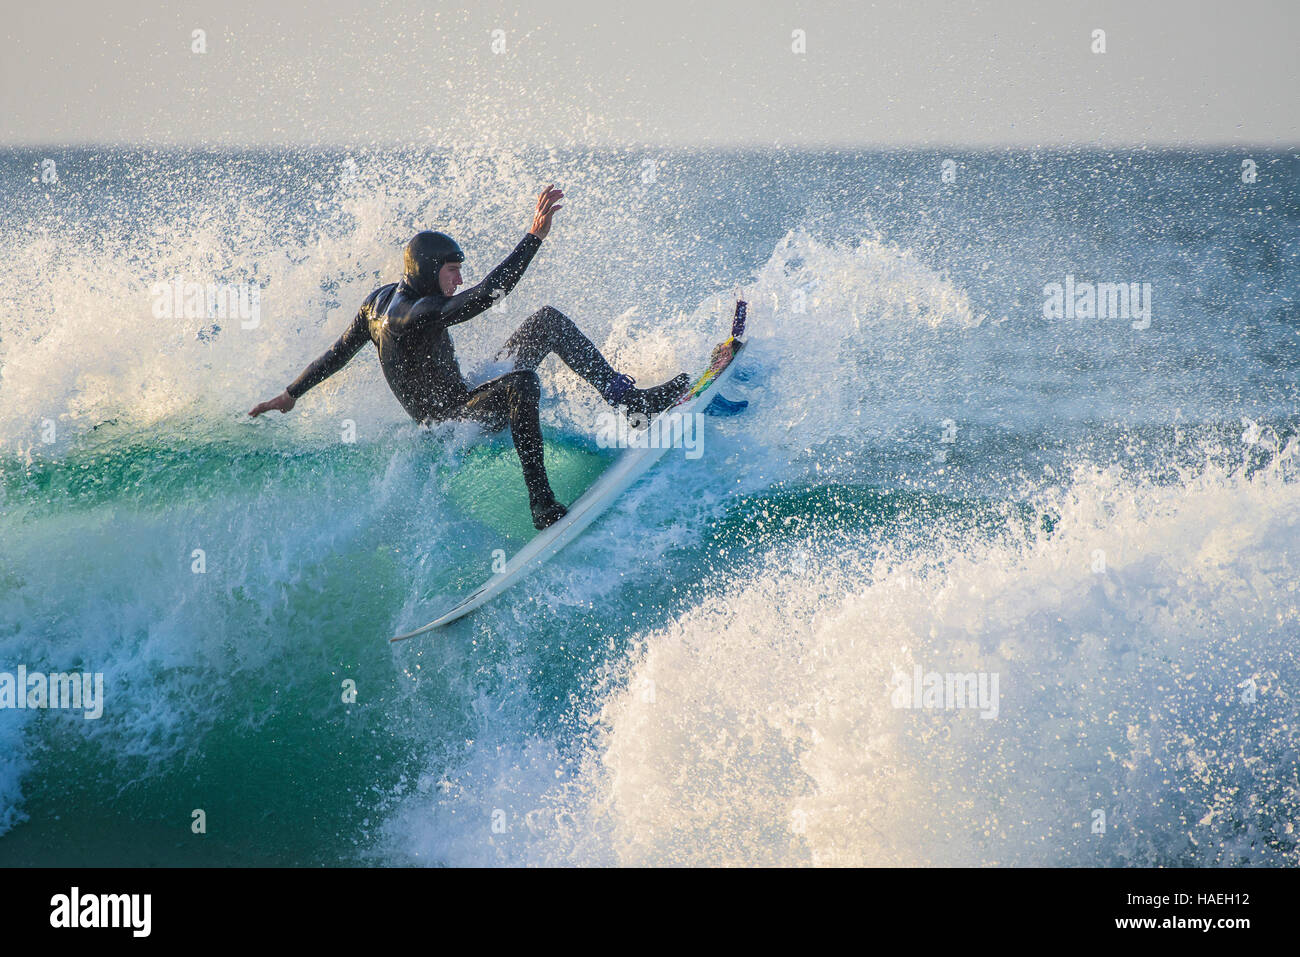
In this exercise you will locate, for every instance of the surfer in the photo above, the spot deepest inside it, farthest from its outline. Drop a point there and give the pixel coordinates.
(408, 322)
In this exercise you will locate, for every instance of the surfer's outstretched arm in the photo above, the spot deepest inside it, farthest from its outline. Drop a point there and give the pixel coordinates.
(439, 311)
(498, 284)
(348, 344)
(495, 287)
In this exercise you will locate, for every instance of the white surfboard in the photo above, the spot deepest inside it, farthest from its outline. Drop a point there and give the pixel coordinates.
(629, 467)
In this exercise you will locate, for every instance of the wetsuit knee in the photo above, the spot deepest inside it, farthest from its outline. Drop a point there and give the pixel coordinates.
(553, 317)
(526, 385)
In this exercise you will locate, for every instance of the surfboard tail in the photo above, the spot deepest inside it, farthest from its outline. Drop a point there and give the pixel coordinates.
(738, 322)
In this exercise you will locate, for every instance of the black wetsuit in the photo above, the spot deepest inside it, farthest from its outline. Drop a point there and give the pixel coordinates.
(419, 361)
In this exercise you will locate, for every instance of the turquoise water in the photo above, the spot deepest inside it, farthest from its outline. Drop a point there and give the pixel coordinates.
(928, 473)
(327, 622)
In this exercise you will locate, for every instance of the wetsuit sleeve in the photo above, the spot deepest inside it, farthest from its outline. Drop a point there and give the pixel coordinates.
(356, 336)
(494, 287)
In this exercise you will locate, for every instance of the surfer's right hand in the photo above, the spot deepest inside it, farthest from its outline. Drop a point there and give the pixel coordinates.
(282, 402)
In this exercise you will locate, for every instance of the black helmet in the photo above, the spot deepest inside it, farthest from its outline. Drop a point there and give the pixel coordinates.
(426, 253)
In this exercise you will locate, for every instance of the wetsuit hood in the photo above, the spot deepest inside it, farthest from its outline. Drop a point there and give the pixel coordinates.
(426, 253)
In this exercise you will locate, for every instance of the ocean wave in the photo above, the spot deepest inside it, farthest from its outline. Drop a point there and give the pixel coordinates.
(1145, 649)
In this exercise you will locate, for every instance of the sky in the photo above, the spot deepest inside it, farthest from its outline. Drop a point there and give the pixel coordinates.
(672, 73)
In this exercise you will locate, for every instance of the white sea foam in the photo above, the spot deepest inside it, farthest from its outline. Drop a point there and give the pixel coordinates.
(758, 728)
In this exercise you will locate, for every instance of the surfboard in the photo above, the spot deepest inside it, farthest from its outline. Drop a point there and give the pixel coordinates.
(589, 506)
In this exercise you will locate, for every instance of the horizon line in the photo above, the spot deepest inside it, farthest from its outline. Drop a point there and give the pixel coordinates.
(1281, 146)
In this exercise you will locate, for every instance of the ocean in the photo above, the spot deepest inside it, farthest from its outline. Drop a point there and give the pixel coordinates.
(1020, 424)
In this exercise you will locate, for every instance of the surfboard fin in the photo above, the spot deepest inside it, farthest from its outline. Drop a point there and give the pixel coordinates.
(724, 408)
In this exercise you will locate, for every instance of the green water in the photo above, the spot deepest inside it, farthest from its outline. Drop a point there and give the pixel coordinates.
(486, 486)
(247, 662)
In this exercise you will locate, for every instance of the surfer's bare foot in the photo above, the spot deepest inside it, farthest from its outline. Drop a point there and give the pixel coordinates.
(647, 402)
(547, 513)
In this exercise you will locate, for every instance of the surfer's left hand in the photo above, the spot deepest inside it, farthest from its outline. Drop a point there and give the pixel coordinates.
(546, 208)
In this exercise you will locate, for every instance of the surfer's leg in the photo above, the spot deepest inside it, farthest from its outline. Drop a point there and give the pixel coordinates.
(549, 330)
(513, 399)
